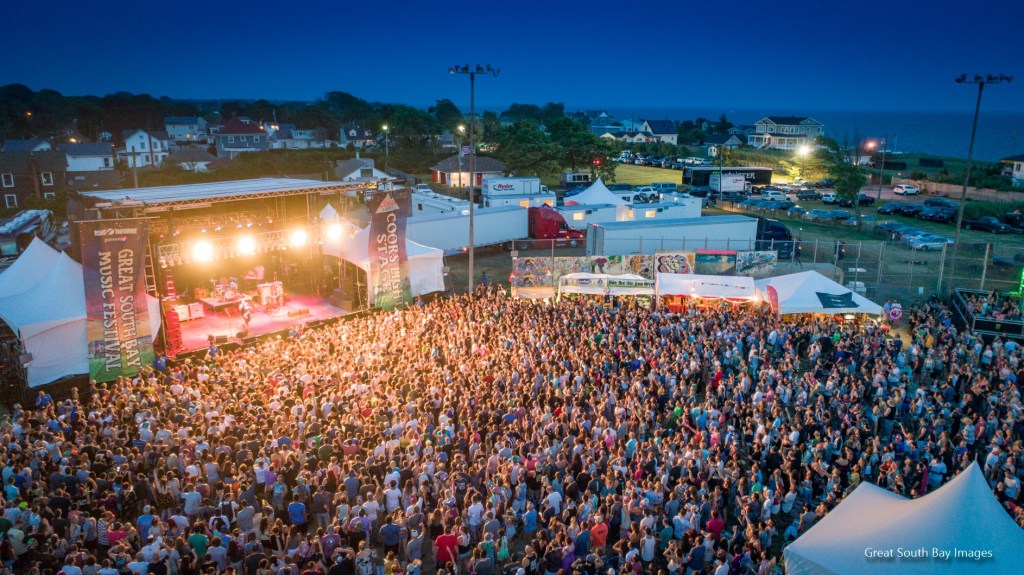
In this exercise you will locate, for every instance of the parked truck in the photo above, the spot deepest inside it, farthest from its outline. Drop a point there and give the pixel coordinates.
(708, 232)
(512, 186)
(492, 227)
(729, 183)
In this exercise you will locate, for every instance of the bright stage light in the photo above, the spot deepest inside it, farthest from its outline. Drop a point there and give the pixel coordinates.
(202, 251)
(298, 238)
(246, 245)
(334, 232)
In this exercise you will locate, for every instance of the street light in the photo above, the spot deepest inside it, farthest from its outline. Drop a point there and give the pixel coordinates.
(387, 147)
(980, 81)
(465, 69)
(803, 151)
(462, 132)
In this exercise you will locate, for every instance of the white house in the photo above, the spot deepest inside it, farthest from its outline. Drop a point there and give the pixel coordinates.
(143, 148)
(357, 137)
(288, 137)
(185, 129)
(359, 170)
(1017, 172)
(785, 132)
(664, 130)
(88, 157)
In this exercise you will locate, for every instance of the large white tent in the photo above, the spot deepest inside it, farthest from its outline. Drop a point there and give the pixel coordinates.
(962, 515)
(705, 286)
(596, 194)
(605, 284)
(811, 292)
(47, 312)
(426, 264)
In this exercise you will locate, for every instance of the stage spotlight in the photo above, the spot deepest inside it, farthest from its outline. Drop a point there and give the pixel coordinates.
(298, 238)
(202, 251)
(246, 245)
(334, 232)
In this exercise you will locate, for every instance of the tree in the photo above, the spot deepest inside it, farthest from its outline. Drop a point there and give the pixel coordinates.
(723, 125)
(447, 114)
(525, 150)
(517, 112)
(840, 163)
(491, 126)
(552, 111)
(347, 108)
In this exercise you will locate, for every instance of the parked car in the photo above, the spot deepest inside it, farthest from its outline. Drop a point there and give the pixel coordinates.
(928, 242)
(906, 190)
(941, 203)
(807, 194)
(796, 212)
(937, 215)
(829, 198)
(986, 224)
(826, 183)
(910, 210)
(816, 215)
(777, 204)
(775, 195)
(890, 208)
(838, 215)
(1015, 220)
(422, 188)
(862, 199)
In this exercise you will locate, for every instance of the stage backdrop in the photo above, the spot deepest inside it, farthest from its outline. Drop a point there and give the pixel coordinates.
(389, 263)
(113, 260)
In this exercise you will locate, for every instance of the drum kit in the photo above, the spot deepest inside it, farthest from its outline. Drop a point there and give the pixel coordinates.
(225, 291)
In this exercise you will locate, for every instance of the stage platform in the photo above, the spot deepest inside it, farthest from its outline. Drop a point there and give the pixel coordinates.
(227, 322)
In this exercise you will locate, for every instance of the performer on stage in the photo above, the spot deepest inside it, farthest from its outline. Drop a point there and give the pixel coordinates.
(246, 311)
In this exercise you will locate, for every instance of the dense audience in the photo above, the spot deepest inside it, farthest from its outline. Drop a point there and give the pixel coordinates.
(503, 436)
(993, 305)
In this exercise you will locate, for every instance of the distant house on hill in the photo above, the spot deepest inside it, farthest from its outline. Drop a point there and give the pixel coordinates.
(27, 174)
(26, 146)
(1017, 169)
(144, 148)
(186, 129)
(785, 132)
(358, 170)
(358, 137)
(238, 137)
(453, 171)
(631, 137)
(664, 130)
(89, 157)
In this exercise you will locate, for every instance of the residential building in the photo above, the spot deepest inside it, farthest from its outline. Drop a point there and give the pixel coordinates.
(785, 132)
(1017, 171)
(631, 137)
(359, 169)
(357, 137)
(144, 148)
(26, 146)
(238, 137)
(743, 130)
(664, 130)
(27, 174)
(89, 157)
(191, 159)
(726, 140)
(602, 122)
(454, 170)
(186, 129)
(288, 137)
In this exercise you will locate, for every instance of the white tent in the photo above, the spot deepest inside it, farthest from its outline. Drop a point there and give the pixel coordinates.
(605, 284)
(48, 315)
(597, 193)
(811, 292)
(31, 266)
(426, 264)
(962, 515)
(705, 286)
(329, 214)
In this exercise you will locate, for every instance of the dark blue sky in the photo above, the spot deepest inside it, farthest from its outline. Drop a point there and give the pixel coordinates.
(746, 54)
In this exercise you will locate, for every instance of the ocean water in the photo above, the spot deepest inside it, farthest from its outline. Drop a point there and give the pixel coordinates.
(1000, 134)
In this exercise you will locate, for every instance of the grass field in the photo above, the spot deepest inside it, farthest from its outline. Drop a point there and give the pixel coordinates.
(643, 175)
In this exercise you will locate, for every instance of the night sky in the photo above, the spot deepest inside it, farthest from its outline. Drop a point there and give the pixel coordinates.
(779, 54)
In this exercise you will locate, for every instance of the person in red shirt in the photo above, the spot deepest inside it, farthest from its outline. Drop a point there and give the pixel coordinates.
(715, 525)
(447, 546)
(599, 535)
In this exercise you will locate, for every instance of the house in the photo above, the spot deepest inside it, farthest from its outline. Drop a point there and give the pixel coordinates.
(601, 122)
(454, 170)
(785, 132)
(191, 159)
(26, 146)
(742, 130)
(238, 137)
(726, 140)
(1017, 172)
(357, 137)
(144, 148)
(359, 169)
(631, 137)
(88, 157)
(27, 174)
(665, 130)
(288, 137)
(186, 129)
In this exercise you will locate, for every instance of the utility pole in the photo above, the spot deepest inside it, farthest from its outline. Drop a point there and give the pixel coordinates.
(465, 69)
(881, 166)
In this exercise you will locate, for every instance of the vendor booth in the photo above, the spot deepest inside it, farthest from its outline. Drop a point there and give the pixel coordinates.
(426, 264)
(811, 292)
(605, 285)
(674, 289)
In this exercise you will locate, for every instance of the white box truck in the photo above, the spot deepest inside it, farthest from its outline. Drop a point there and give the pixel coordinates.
(640, 237)
(508, 186)
(730, 183)
(491, 227)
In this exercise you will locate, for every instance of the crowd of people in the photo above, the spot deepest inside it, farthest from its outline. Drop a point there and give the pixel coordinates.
(493, 435)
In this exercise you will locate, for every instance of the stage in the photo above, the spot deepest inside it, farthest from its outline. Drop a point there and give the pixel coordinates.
(227, 322)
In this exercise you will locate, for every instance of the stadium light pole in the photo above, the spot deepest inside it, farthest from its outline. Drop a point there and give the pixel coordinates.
(472, 72)
(981, 81)
(387, 148)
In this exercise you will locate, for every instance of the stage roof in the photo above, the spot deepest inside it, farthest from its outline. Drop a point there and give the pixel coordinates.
(213, 192)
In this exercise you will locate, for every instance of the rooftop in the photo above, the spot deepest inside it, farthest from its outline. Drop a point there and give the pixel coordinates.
(218, 191)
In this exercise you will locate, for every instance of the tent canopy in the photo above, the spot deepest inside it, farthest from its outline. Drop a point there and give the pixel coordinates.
(963, 514)
(426, 264)
(597, 193)
(329, 214)
(48, 314)
(705, 286)
(605, 284)
(811, 292)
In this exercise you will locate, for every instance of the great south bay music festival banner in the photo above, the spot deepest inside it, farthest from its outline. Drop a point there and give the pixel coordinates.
(117, 311)
(389, 263)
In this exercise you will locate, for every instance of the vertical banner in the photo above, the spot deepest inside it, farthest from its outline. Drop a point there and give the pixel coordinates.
(773, 300)
(117, 311)
(389, 263)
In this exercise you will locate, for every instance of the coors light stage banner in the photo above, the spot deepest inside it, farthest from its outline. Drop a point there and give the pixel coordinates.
(389, 263)
(113, 260)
